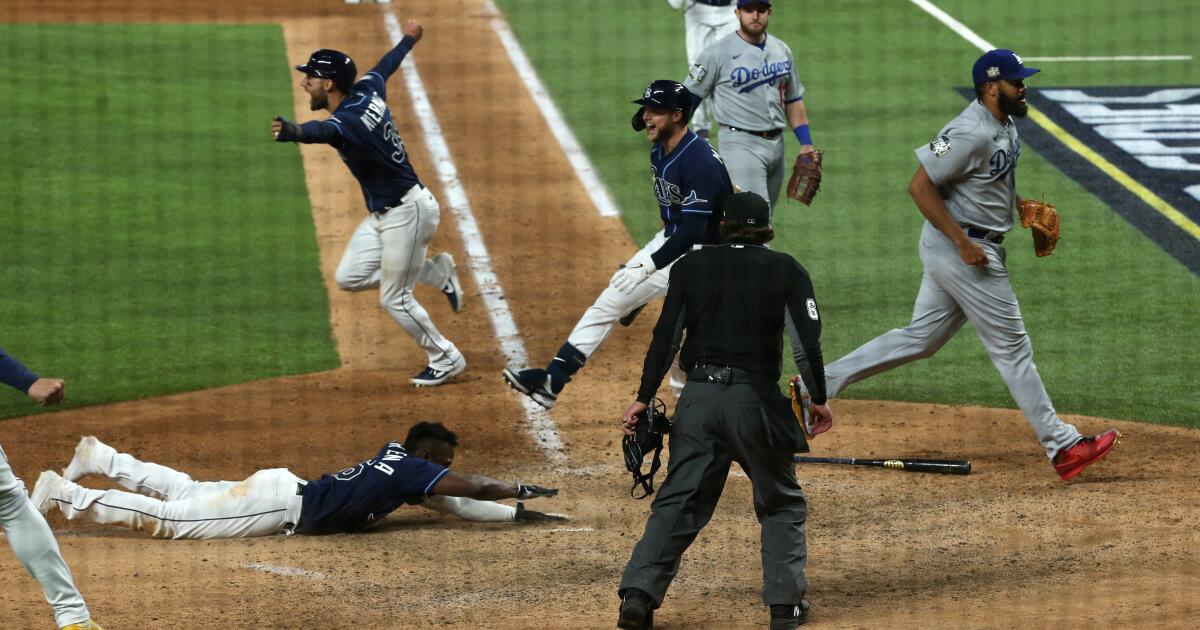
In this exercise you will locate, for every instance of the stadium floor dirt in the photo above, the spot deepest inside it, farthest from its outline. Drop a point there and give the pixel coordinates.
(1007, 546)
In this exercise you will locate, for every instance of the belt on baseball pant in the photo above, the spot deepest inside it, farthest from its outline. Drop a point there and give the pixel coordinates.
(416, 188)
(765, 135)
(990, 236)
(719, 374)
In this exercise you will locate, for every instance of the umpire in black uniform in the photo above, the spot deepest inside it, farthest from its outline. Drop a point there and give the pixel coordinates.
(732, 300)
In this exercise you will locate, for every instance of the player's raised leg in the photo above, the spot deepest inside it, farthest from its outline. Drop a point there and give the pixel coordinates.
(358, 269)
(34, 545)
(93, 457)
(266, 503)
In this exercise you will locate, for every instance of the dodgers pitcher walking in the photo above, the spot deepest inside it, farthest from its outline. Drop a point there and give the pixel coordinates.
(167, 503)
(689, 181)
(27, 532)
(704, 22)
(755, 92)
(388, 248)
(965, 187)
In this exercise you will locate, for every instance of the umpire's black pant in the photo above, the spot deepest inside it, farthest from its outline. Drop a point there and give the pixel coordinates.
(714, 426)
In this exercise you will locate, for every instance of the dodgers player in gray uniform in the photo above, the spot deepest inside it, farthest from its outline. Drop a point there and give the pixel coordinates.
(755, 92)
(704, 22)
(965, 187)
(27, 532)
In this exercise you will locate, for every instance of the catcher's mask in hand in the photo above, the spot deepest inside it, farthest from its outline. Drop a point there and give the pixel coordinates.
(647, 436)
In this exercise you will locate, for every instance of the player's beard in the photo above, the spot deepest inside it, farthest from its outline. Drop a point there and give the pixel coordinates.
(1012, 106)
(317, 102)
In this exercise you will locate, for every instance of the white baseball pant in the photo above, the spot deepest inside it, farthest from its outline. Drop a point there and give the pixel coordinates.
(33, 543)
(166, 503)
(388, 252)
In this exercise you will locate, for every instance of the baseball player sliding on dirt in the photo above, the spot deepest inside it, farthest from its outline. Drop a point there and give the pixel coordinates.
(167, 503)
(689, 181)
(965, 187)
(388, 248)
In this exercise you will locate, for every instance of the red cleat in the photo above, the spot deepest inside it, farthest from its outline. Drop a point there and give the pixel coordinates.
(1089, 450)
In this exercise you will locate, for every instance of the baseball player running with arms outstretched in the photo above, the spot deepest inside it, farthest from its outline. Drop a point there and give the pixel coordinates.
(689, 180)
(388, 248)
(168, 504)
(966, 188)
(27, 532)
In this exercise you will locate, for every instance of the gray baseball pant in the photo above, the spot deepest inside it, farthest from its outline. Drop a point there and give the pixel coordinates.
(951, 294)
(714, 426)
(755, 164)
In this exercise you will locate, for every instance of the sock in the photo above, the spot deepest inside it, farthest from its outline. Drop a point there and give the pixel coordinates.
(565, 364)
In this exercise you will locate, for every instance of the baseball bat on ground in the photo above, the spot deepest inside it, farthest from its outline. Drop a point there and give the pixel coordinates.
(941, 466)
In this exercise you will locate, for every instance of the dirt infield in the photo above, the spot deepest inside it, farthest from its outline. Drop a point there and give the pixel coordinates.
(1007, 546)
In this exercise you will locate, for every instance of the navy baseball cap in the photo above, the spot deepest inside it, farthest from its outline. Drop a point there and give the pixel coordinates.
(331, 64)
(742, 3)
(1000, 64)
(747, 208)
(663, 94)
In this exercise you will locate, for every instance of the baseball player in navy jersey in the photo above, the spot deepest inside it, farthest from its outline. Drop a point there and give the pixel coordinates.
(689, 180)
(965, 186)
(704, 22)
(27, 532)
(166, 503)
(388, 248)
(755, 92)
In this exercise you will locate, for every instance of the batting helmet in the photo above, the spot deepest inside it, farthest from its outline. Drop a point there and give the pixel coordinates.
(663, 94)
(331, 64)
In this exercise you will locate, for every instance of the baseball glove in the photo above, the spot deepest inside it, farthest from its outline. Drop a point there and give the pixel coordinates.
(1043, 218)
(800, 406)
(806, 177)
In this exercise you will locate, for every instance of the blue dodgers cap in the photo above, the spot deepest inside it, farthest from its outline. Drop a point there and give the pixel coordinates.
(1000, 64)
(331, 64)
(742, 3)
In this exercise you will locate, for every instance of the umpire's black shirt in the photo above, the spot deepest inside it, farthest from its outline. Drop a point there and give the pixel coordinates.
(731, 299)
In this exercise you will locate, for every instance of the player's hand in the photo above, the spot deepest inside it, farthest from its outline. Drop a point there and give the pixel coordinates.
(630, 419)
(413, 28)
(530, 491)
(533, 516)
(633, 273)
(284, 130)
(821, 417)
(48, 391)
(972, 254)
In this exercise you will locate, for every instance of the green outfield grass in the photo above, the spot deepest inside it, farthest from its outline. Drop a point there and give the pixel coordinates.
(154, 239)
(1112, 318)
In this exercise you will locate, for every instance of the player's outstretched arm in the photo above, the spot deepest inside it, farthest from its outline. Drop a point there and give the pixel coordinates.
(484, 488)
(413, 31)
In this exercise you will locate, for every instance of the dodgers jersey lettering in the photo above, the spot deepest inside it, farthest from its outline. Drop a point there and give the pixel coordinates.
(350, 500)
(368, 141)
(973, 161)
(749, 84)
(689, 180)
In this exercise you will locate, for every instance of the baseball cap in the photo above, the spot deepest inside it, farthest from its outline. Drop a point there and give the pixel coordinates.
(747, 208)
(1000, 64)
(331, 64)
(742, 3)
(663, 94)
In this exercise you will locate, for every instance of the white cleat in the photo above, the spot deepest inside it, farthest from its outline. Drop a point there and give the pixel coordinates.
(84, 462)
(47, 488)
(432, 377)
(453, 288)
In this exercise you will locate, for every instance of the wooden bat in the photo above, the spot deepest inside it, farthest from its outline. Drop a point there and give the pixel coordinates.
(941, 466)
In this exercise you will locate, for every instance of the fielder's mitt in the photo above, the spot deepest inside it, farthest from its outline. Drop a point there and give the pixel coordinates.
(806, 177)
(1043, 218)
(800, 406)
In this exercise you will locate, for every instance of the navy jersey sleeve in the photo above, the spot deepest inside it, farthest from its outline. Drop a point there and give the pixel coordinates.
(415, 477)
(14, 374)
(377, 77)
(703, 184)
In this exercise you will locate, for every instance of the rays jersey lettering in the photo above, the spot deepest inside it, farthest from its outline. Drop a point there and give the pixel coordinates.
(689, 180)
(351, 499)
(370, 145)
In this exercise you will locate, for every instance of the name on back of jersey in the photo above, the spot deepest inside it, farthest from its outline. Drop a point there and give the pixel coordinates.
(375, 112)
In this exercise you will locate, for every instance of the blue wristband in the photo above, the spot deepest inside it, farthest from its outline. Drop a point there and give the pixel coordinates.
(803, 134)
